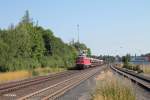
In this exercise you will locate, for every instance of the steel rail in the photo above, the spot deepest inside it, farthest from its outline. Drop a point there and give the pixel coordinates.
(57, 89)
(134, 78)
(22, 84)
(68, 87)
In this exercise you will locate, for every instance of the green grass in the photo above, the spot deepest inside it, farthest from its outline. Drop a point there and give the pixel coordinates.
(46, 71)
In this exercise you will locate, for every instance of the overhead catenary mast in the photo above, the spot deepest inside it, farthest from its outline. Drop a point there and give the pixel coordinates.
(78, 41)
(78, 32)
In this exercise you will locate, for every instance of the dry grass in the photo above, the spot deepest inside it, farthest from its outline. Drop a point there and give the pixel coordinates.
(111, 88)
(47, 70)
(146, 69)
(18, 75)
(10, 76)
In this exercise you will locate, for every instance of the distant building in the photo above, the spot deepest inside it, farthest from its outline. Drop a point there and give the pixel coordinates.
(148, 58)
(140, 59)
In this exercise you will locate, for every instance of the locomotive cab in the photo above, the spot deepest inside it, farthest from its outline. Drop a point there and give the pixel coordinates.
(82, 61)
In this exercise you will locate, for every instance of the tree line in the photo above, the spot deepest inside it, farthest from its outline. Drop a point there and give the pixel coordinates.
(28, 46)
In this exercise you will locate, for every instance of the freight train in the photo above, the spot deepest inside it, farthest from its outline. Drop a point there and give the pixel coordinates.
(83, 62)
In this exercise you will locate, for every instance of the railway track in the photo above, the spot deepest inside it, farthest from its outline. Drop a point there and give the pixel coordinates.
(26, 82)
(49, 87)
(142, 81)
(14, 86)
(58, 89)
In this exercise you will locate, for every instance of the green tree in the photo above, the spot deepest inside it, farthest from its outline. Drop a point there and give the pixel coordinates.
(47, 42)
(28, 46)
(3, 55)
(26, 18)
(126, 59)
(88, 52)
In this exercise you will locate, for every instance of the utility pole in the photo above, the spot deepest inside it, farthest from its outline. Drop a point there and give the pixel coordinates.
(78, 42)
(78, 32)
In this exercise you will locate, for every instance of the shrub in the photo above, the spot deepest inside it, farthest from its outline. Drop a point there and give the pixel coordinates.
(111, 88)
(35, 73)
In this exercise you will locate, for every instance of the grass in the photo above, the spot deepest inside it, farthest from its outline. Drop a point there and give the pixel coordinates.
(9, 76)
(146, 69)
(18, 75)
(46, 71)
(111, 88)
(141, 68)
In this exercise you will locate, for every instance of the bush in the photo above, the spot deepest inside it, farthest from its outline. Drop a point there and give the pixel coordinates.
(35, 73)
(137, 68)
(133, 67)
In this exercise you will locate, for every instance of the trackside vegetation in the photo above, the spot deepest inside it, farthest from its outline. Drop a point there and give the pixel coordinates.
(24, 74)
(27, 46)
(111, 88)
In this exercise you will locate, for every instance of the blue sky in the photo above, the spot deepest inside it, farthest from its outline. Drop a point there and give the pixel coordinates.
(106, 26)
